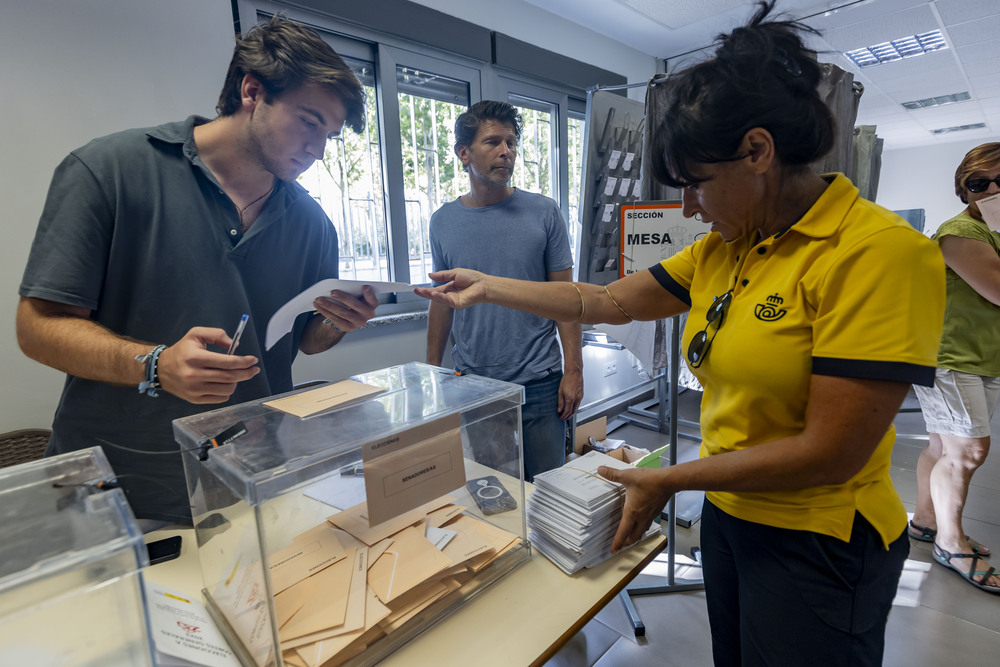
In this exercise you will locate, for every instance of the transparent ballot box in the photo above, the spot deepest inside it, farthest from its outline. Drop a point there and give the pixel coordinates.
(337, 522)
(71, 591)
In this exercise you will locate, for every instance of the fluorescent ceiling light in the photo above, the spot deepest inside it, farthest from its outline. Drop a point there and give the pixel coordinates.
(897, 49)
(958, 128)
(928, 102)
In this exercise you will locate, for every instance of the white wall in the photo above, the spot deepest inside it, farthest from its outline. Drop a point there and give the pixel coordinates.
(73, 71)
(924, 178)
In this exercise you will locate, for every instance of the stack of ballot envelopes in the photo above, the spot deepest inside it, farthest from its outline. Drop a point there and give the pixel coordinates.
(574, 513)
(343, 585)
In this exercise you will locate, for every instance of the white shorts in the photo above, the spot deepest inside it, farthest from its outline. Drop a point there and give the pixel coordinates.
(959, 403)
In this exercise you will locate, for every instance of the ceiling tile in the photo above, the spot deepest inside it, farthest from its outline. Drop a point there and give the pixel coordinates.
(979, 52)
(929, 84)
(972, 28)
(980, 68)
(946, 116)
(916, 66)
(872, 104)
(959, 11)
(986, 92)
(912, 21)
(854, 13)
(990, 105)
(985, 80)
(983, 30)
(681, 13)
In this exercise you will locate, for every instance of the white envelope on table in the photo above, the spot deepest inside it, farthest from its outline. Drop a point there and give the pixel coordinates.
(283, 318)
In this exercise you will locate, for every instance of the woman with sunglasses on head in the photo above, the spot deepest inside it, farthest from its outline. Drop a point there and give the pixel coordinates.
(811, 313)
(958, 407)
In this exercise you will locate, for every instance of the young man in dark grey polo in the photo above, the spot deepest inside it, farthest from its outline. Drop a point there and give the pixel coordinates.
(154, 242)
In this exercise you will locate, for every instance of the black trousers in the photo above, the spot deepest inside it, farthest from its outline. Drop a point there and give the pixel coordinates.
(790, 597)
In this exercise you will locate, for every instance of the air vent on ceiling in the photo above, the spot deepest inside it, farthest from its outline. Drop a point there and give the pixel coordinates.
(897, 49)
(958, 128)
(928, 102)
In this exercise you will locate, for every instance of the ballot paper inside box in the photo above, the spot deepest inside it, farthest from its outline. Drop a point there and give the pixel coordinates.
(338, 524)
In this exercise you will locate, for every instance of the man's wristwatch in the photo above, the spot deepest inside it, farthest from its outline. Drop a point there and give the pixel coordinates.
(149, 360)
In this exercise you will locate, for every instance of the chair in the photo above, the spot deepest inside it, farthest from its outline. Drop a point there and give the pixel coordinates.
(23, 446)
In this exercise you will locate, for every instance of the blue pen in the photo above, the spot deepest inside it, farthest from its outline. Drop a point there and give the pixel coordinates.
(239, 333)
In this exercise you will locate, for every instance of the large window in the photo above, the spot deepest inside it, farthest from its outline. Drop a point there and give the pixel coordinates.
(534, 171)
(381, 187)
(574, 158)
(539, 157)
(347, 183)
(432, 173)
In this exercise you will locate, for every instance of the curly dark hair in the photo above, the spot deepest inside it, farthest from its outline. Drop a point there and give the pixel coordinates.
(761, 75)
(284, 55)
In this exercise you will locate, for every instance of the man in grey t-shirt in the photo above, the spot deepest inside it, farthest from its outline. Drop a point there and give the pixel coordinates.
(503, 231)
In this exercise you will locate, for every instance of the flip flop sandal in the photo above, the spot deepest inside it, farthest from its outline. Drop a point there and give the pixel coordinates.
(942, 557)
(923, 534)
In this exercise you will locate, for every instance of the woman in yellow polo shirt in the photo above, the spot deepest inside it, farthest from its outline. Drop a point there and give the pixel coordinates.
(958, 408)
(811, 313)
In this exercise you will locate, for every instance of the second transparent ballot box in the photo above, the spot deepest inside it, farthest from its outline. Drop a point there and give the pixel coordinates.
(71, 561)
(340, 521)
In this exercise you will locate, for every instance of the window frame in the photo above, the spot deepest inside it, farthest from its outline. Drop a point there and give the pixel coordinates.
(385, 51)
(557, 154)
(385, 83)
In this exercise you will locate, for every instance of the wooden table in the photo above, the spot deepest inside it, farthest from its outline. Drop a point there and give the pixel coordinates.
(523, 619)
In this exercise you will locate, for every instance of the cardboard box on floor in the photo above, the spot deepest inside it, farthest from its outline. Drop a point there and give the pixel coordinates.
(598, 430)
(628, 454)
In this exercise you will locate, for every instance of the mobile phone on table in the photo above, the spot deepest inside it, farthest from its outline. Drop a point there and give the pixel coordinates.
(164, 550)
(490, 495)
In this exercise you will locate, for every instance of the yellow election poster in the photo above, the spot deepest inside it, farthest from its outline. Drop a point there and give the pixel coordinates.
(652, 231)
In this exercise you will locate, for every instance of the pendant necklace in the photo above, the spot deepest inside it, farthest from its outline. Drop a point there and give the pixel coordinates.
(240, 211)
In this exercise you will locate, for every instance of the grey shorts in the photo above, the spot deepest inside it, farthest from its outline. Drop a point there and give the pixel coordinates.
(959, 403)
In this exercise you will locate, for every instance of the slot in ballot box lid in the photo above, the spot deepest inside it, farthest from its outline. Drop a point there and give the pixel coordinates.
(281, 451)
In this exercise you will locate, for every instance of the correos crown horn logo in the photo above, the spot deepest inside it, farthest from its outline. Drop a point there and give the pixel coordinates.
(770, 311)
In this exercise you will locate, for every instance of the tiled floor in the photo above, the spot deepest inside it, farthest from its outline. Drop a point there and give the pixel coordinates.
(937, 620)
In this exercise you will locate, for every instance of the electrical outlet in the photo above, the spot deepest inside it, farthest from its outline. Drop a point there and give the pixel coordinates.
(610, 368)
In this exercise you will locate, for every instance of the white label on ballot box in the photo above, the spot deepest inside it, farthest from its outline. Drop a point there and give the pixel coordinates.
(398, 441)
(398, 482)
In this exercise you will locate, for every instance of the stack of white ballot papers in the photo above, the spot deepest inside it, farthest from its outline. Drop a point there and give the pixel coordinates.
(574, 513)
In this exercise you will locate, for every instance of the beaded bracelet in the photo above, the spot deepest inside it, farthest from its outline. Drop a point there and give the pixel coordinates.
(152, 381)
